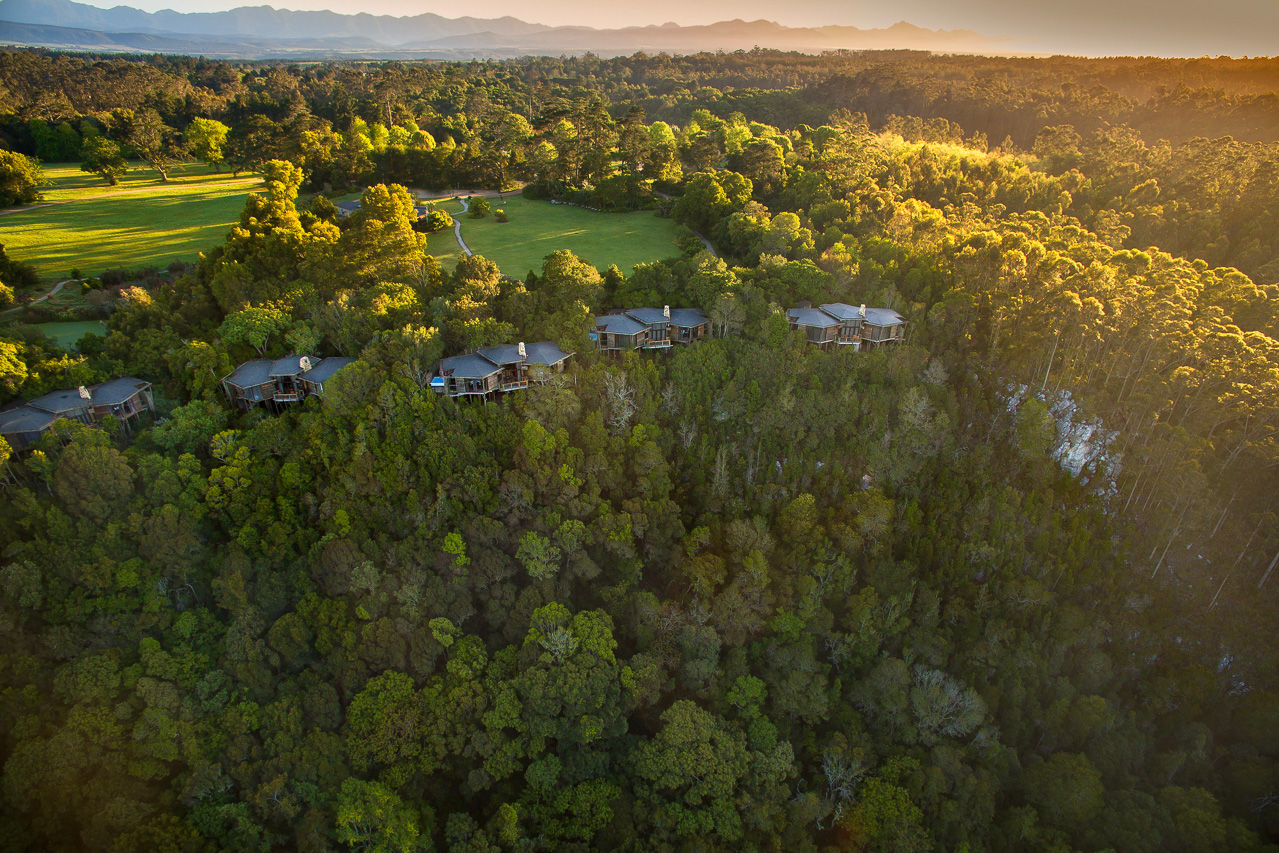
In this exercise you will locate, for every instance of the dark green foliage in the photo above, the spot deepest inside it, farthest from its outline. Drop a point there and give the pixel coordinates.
(102, 156)
(20, 179)
(747, 594)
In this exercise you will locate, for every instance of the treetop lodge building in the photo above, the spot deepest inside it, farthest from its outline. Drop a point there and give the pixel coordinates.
(277, 382)
(498, 369)
(488, 371)
(127, 399)
(649, 328)
(839, 324)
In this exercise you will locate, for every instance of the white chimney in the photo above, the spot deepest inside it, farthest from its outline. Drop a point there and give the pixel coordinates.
(666, 311)
(84, 393)
(523, 354)
(863, 309)
(304, 363)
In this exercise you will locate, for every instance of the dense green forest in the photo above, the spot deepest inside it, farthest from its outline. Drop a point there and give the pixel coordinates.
(1004, 587)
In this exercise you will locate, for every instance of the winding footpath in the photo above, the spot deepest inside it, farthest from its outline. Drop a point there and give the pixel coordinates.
(457, 220)
(57, 288)
(706, 243)
(697, 234)
(457, 228)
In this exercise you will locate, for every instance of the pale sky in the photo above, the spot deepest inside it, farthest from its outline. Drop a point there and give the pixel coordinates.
(1170, 27)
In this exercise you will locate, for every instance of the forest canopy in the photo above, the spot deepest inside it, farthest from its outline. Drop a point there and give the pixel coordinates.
(998, 587)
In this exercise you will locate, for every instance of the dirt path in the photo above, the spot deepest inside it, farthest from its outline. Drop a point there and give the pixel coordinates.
(57, 288)
(706, 243)
(234, 182)
(457, 228)
(697, 234)
(9, 210)
(457, 222)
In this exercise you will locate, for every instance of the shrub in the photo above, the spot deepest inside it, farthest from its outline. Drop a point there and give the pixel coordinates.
(38, 313)
(114, 278)
(500, 215)
(536, 192)
(438, 220)
(480, 208)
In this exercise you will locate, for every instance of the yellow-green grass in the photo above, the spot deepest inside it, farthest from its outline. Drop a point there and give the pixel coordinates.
(537, 228)
(443, 244)
(100, 228)
(66, 182)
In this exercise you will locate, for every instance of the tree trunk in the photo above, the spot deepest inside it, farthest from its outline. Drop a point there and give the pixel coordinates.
(1176, 527)
(1224, 512)
(1261, 583)
(1238, 560)
(1049, 370)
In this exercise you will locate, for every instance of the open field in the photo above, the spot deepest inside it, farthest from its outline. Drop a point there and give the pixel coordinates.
(538, 228)
(92, 227)
(68, 183)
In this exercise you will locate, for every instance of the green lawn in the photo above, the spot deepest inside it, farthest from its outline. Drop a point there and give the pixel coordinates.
(137, 223)
(442, 244)
(66, 182)
(66, 334)
(538, 228)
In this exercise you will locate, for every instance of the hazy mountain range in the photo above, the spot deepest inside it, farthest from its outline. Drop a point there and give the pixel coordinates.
(264, 32)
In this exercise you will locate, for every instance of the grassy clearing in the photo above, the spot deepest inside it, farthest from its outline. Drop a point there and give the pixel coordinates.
(68, 183)
(443, 244)
(66, 334)
(538, 228)
(138, 223)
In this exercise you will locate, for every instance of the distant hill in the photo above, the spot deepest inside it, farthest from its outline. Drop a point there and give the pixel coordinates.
(252, 32)
(255, 21)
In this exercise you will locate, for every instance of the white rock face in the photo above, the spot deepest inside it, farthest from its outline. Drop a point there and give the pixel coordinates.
(1083, 446)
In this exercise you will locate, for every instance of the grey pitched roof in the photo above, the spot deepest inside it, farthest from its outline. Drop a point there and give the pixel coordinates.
(842, 310)
(290, 365)
(812, 317)
(502, 353)
(323, 369)
(57, 402)
(688, 317)
(884, 317)
(619, 324)
(545, 352)
(251, 373)
(472, 366)
(25, 419)
(116, 391)
(647, 316)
